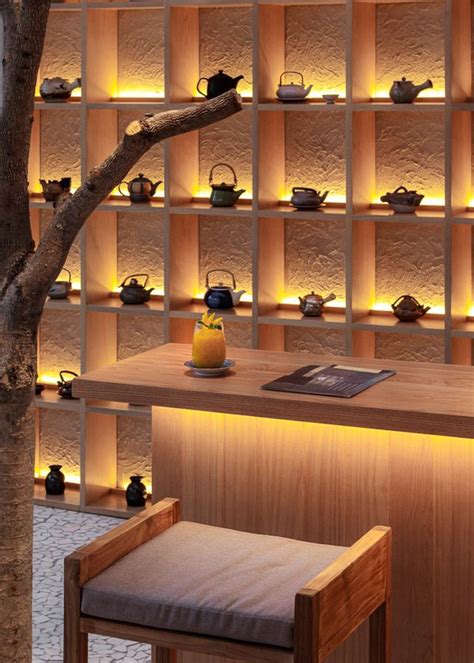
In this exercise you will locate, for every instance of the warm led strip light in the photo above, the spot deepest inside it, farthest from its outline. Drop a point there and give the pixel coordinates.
(69, 476)
(382, 307)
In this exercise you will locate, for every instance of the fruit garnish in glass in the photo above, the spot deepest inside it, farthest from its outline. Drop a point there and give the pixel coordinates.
(209, 349)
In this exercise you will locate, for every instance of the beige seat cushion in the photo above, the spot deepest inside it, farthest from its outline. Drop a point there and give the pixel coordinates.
(209, 580)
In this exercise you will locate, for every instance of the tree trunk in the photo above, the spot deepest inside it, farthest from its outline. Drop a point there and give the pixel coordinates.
(17, 452)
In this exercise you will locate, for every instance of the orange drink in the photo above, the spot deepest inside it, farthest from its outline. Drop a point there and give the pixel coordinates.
(209, 342)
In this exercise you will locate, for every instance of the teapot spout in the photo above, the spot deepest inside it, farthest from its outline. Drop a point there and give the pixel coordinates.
(425, 309)
(329, 298)
(72, 86)
(324, 196)
(154, 187)
(308, 90)
(238, 193)
(423, 86)
(236, 80)
(236, 296)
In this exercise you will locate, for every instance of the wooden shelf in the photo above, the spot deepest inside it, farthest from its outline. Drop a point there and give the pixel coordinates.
(49, 399)
(70, 500)
(197, 207)
(72, 302)
(311, 105)
(115, 305)
(119, 409)
(113, 504)
(194, 311)
(124, 205)
(390, 107)
(385, 214)
(388, 323)
(289, 317)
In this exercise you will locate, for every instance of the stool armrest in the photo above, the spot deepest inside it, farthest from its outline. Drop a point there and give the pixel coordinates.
(90, 560)
(334, 603)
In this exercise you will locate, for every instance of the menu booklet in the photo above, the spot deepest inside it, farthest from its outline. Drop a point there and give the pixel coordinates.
(336, 380)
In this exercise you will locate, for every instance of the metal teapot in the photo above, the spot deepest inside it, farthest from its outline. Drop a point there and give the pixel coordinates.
(52, 189)
(140, 189)
(218, 84)
(65, 386)
(292, 91)
(404, 92)
(408, 309)
(223, 194)
(305, 198)
(61, 289)
(58, 89)
(220, 295)
(312, 305)
(402, 200)
(134, 292)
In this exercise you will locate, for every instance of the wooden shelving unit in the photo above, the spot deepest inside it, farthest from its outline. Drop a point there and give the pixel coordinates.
(266, 144)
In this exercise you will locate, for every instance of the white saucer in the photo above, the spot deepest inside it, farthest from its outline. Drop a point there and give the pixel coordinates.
(210, 372)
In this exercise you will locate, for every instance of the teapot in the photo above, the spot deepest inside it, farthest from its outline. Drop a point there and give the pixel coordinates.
(134, 292)
(402, 201)
(292, 91)
(312, 305)
(218, 84)
(305, 198)
(140, 189)
(61, 289)
(52, 189)
(224, 195)
(404, 92)
(408, 309)
(221, 295)
(65, 386)
(58, 89)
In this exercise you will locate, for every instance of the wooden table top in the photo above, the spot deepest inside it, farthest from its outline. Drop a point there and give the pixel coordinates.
(420, 398)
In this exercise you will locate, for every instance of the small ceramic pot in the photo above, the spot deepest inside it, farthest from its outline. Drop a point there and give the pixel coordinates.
(55, 483)
(136, 494)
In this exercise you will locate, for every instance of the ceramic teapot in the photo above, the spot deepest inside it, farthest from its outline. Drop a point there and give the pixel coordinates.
(134, 292)
(58, 89)
(223, 194)
(218, 84)
(305, 198)
(61, 289)
(52, 189)
(221, 295)
(65, 386)
(408, 309)
(402, 200)
(312, 305)
(292, 91)
(404, 92)
(140, 189)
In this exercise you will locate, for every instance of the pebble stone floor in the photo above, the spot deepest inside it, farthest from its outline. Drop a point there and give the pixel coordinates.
(56, 534)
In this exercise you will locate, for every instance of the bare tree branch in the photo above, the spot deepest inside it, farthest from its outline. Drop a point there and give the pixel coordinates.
(31, 287)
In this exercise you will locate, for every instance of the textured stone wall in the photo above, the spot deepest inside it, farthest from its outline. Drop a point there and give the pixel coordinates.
(229, 141)
(138, 333)
(314, 257)
(410, 259)
(62, 48)
(73, 262)
(410, 153)
(152, 163)
(59, 441)
(59, 343)
(226, 242)
(140, 246)
(315, 45)
(140, 53)
(409, 347)
(60, 150)
(320, 341)
(410, 42)
(315, 152)
(226, 43)
(133, 449)
(238, 334)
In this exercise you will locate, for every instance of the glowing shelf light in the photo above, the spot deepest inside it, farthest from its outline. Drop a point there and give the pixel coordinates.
(426, 95)
(45, 378)
(246, 297)
(202, 195)
(428, 201)
(157, 292)
(136, 94)
(470, 315)
(383, 307)
(70, 477)
(294, 301)
(333, 198)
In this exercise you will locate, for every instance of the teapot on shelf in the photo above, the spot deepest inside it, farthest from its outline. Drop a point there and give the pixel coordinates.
(65, 386)
(140, 189)
(402, 200)
(58, 89)
(61, 289)
(305, 198)
(292, 91)
(218, 84)
(408, 309)
(52, 189)
(223, 194)
(134, 292)
(220, 295)
(312, 305)
(404, 92)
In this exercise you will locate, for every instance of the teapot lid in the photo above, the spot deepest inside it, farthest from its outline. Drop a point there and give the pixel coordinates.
(134, 281)
(223, 186)
(403, 80)
(220, 76)
(141, 178)
(312, 297)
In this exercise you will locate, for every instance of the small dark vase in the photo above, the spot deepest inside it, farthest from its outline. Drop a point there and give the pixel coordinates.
(136, 491)
(54, 482)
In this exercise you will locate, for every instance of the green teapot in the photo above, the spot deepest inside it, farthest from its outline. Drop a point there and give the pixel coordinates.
(223, 194)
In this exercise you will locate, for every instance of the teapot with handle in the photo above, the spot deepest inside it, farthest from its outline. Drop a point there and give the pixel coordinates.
(140, 189)
(220, 295)
(58, 89)
(292, 91)
(312, 305)
(52, 189)
(134, 292)
(218, 84)
(305, 198)
(404, 92)
(408, 309)
(223, 194)
(61, 289)
(65, 386)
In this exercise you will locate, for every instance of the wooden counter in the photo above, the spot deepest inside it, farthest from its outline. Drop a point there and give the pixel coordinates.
(421, 398)
(320, 469)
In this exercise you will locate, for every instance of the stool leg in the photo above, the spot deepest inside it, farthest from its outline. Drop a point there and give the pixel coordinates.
(380, 634)
(163, 655)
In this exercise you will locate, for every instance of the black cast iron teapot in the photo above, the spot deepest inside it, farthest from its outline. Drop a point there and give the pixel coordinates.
(408, 309)
(61, 289)
(134, 292)
(221, 295)
(65, 386)
(218, 84)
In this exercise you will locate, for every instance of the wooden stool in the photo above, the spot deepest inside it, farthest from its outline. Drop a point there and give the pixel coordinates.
(182, 586)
